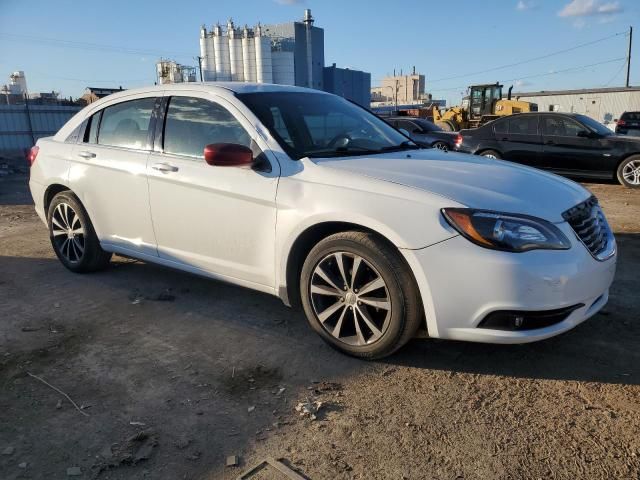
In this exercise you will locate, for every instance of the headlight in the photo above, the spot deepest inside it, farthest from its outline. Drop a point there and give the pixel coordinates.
(506, 231)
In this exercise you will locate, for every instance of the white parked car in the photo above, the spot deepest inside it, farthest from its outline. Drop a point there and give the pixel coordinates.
(306, 196)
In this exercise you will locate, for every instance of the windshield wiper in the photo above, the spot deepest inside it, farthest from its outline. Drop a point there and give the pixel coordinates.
(406, 145)
(342, 151)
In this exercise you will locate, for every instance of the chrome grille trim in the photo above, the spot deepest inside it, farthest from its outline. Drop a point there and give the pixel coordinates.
(590, 226)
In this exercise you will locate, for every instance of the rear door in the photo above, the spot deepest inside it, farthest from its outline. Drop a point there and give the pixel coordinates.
(564, 150)
(519, 139)
(108, 174)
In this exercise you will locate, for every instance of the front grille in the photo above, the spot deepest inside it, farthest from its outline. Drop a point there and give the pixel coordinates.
(591, 227)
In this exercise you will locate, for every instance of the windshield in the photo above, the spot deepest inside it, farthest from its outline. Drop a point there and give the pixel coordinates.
(319, 125)
(593, 125)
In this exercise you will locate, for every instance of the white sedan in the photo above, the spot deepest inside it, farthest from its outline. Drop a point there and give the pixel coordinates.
(306, 196)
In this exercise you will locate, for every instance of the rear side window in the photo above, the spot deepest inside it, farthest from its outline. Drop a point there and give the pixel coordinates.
(631, 116)
(523, 125)
(501, 127)
(193, 123)
(126, 124)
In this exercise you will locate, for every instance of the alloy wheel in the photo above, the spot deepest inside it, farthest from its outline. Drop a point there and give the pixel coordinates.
(68, 232)
(350, 298)
(631, 172)
(442, 146)
(490, 155)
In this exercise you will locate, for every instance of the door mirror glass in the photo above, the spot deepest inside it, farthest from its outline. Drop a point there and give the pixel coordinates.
(228, 155)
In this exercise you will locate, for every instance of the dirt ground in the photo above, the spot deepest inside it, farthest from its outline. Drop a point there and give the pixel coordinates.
(172, 373)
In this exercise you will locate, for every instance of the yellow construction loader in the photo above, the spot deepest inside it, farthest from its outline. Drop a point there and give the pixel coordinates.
(483, 104)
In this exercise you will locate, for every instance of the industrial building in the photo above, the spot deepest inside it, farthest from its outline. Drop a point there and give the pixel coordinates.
(400, 89)
(289, 53)
(169, 71)
(352, 84)
(602, 104)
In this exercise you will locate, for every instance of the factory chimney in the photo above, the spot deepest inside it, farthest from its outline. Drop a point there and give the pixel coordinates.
(308, 21)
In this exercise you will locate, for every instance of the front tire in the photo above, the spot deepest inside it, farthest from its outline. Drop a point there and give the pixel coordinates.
(359, 295)
(628, 172)
(72, 236)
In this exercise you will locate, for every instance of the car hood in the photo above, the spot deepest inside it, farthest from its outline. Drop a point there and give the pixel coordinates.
(470, 180)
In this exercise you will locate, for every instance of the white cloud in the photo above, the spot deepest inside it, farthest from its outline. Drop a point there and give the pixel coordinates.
(521, 83)
(584, 8)
(523, 5)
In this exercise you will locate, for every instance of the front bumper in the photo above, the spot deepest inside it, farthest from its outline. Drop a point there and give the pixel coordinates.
(462, 283)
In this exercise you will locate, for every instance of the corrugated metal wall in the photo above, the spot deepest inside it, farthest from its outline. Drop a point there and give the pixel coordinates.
(17, 133)
(605, 107)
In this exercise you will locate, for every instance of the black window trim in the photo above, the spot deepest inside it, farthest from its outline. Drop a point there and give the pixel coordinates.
(159, 117)
(150, 129)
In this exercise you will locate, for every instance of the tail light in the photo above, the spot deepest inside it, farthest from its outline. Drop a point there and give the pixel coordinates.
(31, 156)
(458, 140)
(620, 123)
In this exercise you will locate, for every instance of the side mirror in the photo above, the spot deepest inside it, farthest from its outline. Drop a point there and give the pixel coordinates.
(228, 155)
(404, 132)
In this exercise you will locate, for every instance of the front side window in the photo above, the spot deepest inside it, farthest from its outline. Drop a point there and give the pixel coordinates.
(523, 125)
(561, 127)
(321, 125)
(126, 124)
(192, 123)
(501, 126)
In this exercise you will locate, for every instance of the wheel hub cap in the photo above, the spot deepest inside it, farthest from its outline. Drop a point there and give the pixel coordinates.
(67, 232)
(350, 298)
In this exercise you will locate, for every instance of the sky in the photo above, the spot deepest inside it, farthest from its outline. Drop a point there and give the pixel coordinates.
(66, 45)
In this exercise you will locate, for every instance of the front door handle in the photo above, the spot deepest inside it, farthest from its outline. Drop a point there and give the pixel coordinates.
(164, 167)
(86, 154)
(550, 142)
(505, 139)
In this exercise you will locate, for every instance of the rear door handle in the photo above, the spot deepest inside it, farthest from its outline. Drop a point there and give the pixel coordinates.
(164, 167)
(86, 154)
(505, 139)
(550, 142)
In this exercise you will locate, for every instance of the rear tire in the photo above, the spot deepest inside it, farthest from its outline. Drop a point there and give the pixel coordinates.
(72, 236)
(628, 172)
(369, 314)
(491, 154)
(441, 146)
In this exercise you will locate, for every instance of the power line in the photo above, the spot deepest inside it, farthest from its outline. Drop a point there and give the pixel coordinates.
(556, 72)
(89, 46)
(622, 65)
(541, 57)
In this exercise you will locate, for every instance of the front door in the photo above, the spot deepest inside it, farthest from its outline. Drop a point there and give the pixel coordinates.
(565, 150)
(108, 173)
(217, 219)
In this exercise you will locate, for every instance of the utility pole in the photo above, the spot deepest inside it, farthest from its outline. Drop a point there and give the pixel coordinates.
(200, 67)
(629, 55)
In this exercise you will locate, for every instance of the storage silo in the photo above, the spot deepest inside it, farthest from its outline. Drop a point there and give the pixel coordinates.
(235, 53)
(208, 58)
(248, 55)
(283, 68)
(264, 72)
(221, 52)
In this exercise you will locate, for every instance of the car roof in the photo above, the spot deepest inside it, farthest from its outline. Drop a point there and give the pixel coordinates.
(236, 87)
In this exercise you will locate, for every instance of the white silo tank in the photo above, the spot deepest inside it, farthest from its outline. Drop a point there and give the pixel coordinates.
(235, 53)
(248, 55)
(283, 68)
(264, 72)
(221, 52)
(210, 73)
(205, 62)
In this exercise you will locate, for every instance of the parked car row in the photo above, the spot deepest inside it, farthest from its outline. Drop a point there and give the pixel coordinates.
(567, 144)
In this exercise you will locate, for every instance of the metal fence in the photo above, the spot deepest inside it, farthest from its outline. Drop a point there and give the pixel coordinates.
(22, 125)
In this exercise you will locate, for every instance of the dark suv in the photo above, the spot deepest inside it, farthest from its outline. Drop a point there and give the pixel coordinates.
(629, 124)
(569, 144)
